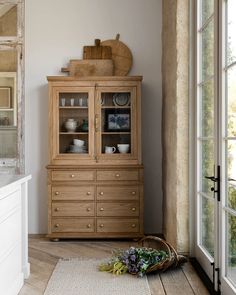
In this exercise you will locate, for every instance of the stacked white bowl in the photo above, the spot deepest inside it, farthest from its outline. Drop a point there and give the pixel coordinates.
(78, 146)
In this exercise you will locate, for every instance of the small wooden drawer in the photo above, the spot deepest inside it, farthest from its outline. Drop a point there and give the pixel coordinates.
(73, 209)
(73, 175)
(117, 175)
(117, 209)
(76, 193)
(81, 225)
(117, 193)
(115, 225)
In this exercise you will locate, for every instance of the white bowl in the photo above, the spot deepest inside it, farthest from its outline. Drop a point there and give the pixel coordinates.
(123, 148)
(78, 142)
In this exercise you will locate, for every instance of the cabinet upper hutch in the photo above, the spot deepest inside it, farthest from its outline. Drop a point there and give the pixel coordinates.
(95, 174)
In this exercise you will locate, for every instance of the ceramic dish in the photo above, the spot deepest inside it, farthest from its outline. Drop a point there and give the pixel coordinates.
(121, 99)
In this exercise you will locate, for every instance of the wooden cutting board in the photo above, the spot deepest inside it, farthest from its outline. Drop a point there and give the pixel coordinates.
(121, 56)
(90, 67)
(97, 51)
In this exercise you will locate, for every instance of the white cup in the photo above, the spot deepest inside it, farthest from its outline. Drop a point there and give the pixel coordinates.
(110, 149)
(72, 102)
(123, 148)
(80, 102)
(63, 102)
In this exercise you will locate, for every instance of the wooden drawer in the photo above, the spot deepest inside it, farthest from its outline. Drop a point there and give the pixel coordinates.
(81, 225)
(73, 209)
(77, 193)
(118, 175)
(117, 209)
(73, 175)
(117, 193)
(115, 225)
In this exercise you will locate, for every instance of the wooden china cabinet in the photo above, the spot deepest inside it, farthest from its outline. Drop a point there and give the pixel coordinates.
(95, 190)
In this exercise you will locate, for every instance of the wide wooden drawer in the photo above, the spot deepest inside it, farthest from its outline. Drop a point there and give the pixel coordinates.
(115, 225)
(117, 193)
(81, 225)
(118, 209)
(117, 175)
(79, 193)
(73, 175)
(73, 209)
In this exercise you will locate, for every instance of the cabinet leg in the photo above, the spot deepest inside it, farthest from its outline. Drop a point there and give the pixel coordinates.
(55, 240)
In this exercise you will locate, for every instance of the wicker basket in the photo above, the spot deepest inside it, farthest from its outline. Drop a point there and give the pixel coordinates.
(173, 259)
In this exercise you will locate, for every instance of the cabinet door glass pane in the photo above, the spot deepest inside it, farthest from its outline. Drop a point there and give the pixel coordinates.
(116, 123)
(8, 103)
(8, 20)
(73, 123)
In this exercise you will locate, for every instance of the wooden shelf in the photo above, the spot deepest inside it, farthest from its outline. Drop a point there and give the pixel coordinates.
(72, 107)
(117, 133)
(7, 110)
(71, 133)
(8, 127)
(115, 107)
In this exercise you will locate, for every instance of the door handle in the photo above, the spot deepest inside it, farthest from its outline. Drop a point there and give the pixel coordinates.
(212, 178)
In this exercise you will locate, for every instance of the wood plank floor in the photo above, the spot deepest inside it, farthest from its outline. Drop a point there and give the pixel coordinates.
(44, 254)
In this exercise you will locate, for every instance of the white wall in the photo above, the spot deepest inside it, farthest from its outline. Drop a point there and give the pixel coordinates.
(56, 31)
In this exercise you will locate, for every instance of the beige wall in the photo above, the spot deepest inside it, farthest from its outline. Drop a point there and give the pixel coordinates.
(175, 123)
(56, 31)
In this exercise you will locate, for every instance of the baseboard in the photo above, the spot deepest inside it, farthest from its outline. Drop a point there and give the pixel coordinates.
(203, 276)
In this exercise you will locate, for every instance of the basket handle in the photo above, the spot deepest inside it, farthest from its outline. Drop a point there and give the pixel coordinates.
(161, 241)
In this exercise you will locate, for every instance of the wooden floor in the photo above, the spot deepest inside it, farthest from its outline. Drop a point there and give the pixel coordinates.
(44, 254)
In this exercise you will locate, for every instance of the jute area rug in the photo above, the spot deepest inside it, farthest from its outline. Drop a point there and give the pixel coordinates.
(82, 277)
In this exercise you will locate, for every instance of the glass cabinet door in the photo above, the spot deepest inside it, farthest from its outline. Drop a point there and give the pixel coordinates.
(115, 123)
(74, 114)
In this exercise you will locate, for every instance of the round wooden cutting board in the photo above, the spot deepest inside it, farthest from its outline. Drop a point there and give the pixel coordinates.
(121, 56)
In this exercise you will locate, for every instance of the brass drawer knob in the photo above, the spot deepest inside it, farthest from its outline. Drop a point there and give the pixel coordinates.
(56, 193)
(57, 209)
(57, 225)
(88, 225)
(88, 193)
(133, 209)
(72, 175)
(117, 175)
(133, 225)
(101, 225)
(101, 193)
(88, 209)
(133, 193)
(101, 209)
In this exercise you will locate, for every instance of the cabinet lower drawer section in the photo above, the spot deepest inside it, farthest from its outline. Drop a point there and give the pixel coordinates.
(122, 175)
(76, 193)
(73, 175)
(117, 209)
(113, 225)
(73, 209)
(117, 193)
(80, 225)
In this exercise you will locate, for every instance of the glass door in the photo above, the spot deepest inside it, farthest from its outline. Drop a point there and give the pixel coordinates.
(74, 117)
(206, 247)
(229, 148)
(115, 121)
